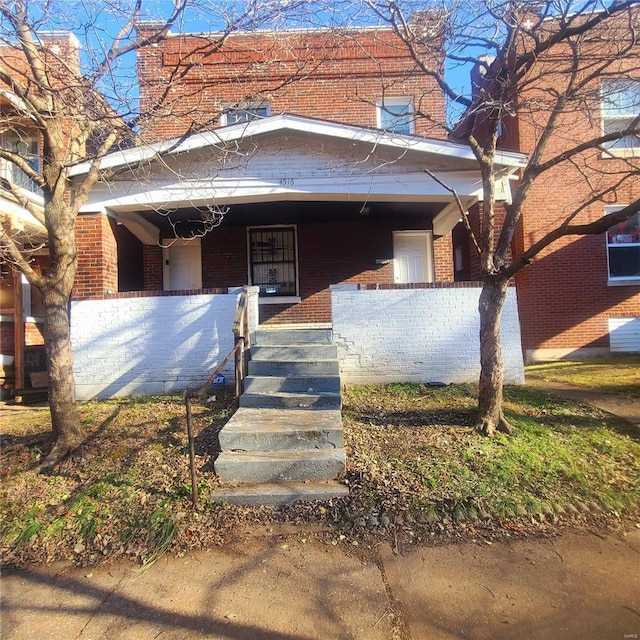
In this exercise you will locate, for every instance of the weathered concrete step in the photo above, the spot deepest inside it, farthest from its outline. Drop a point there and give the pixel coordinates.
(281, 493)
(277, 430)
(283, 400)
(295, 384)
(295, 336)
(295, 352)
(294, 368)
(281, 466)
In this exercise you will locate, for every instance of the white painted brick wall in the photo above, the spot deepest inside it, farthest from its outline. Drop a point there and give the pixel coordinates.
(418, 335)
(150, 345)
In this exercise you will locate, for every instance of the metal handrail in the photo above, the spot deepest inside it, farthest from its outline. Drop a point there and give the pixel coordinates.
(242, 343)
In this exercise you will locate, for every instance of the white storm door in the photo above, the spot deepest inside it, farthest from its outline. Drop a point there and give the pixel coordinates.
(183, 265)
(412, 256)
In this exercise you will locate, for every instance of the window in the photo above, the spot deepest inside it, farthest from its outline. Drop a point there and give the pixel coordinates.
(623, 249)
(396, 115)
(272, 252)
(620, 105)
(27, 146)
(244, 113)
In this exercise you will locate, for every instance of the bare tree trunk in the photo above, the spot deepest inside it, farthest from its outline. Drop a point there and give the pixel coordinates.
(490, 416)
(66, 429)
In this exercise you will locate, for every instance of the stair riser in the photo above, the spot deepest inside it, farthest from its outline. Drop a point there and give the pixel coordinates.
(230, 469)
(306, 352)
(299, 336)
(298, 401)
(282, 441)
(303, 368)
(280, 494)
(300, 384)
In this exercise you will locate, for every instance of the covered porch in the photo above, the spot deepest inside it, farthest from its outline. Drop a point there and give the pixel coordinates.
(288, 204)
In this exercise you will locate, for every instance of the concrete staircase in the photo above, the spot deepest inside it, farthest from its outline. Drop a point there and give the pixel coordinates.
(285, 442)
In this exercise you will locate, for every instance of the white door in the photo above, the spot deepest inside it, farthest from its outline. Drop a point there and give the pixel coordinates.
(412, 260)
(183, 265)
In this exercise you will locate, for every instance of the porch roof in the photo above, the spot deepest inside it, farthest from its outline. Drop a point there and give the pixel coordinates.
(290, 158)
(131, 158)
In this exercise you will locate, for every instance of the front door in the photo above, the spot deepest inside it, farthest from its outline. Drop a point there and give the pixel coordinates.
(412, 256)
(183, 265)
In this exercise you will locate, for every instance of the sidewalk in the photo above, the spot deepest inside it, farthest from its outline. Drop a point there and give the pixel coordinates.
(626, 408)
(294, 587)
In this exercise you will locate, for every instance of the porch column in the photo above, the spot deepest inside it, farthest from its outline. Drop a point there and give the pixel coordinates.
(97, 257)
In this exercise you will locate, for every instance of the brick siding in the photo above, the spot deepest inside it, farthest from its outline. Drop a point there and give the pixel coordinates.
(417, 333)
(97, 257)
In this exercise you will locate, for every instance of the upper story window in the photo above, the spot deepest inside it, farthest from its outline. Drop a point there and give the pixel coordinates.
(620, 106)
(244, 113)
(623, 249)
(26, 144)
(396, 115)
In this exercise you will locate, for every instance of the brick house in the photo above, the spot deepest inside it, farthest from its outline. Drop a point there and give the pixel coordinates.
(581, 295)
(309, 181)
(21, 340)
(306, 115)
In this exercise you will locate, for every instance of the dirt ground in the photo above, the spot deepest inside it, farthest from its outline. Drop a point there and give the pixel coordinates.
(307, 585)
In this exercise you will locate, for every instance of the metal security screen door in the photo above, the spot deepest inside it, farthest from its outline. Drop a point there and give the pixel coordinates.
(273, 260)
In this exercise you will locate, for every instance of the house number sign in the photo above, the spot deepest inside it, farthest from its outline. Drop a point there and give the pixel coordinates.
(287, 182)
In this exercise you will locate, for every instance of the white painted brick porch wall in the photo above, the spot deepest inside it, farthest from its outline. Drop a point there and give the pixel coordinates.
(417, 335)
(149, 345)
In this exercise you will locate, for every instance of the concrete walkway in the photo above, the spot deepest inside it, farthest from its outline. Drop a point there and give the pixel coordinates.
(301, 588)
(626, 408)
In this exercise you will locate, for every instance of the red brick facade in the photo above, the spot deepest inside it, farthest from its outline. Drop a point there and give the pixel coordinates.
(97, 257)
(330, 254)
(565, 296)
(339, 77)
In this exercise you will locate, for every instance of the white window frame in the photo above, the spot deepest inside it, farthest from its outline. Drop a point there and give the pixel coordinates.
(289, 299)
(619, 280)
(34, 157)
(382, 111)
(248, 108)
(618, 148)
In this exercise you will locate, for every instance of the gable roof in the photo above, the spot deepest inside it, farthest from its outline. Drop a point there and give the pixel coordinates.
(217, 138)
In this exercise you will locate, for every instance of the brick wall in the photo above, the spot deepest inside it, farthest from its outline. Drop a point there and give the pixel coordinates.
(419, 334)
(152, 267)
(443, 258)
(97, 257)
(316, 74)
(329, 254)
(141, 345)
(565, 298)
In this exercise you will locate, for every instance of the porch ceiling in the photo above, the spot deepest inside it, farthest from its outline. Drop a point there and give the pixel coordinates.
(186, 222)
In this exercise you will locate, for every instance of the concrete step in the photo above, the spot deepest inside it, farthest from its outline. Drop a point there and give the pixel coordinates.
(281, 430)
(283, 400)
(281, 466)
(280, 493)
(293, 368)
(296, 384)
(295, 352)
(296, 336)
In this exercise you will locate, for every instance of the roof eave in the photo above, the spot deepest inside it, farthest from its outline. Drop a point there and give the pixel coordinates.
(131, 158)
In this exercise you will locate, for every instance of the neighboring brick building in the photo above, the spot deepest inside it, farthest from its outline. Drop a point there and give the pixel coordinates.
(21, 306)
(581, 295)
(313, 169)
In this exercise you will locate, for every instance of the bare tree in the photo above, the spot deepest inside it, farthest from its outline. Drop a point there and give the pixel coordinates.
(77, 103)
(542, 70)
